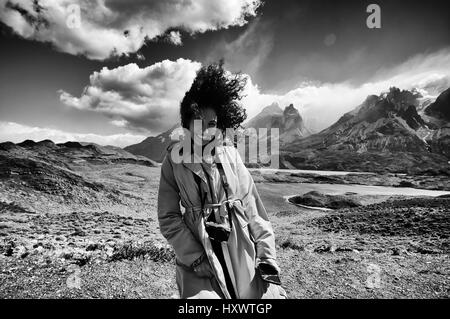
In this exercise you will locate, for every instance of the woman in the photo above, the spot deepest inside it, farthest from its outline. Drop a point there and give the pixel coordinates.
(224, 242)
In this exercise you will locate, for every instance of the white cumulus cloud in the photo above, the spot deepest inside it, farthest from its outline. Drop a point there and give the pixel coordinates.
(146, 99)
(103, 28)
(149, 98)
(321, 104)
(174, 37)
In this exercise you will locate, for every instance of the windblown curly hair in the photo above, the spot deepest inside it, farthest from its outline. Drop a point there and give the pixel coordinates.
(214, 88)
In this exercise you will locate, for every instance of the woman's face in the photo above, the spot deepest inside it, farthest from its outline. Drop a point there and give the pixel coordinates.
(206, 126)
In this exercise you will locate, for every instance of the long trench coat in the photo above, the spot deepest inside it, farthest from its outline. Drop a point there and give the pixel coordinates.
(251, 240)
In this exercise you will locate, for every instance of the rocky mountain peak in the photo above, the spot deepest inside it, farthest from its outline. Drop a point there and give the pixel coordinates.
(273, 108)
(402, 99)
(292, 118)
(441, 107)
(291, 111)
(395, 103)
(290, 108)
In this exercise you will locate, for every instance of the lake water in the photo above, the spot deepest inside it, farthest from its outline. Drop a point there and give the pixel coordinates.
(275, 195)
(339, 189)
(303, 171)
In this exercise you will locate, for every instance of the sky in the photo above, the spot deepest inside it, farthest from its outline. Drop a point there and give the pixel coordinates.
(114, 71)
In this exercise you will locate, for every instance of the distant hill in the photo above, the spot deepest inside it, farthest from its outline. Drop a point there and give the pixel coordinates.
(61, 169)
(69, 154)
(152, 147)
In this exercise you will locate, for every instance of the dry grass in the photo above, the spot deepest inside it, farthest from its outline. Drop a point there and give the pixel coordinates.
(117, 251)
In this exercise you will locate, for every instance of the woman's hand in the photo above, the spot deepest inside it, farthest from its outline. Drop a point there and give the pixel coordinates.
(204, 269)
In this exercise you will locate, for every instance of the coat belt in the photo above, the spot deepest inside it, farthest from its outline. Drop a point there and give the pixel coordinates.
(197, 209)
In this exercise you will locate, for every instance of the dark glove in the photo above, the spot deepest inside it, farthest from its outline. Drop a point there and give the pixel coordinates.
(202, 267)
(269, 271)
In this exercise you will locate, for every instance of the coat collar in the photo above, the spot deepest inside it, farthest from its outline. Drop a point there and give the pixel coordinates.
(196, 166)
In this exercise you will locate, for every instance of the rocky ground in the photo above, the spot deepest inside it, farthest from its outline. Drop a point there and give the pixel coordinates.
(392, 250)
(319, 200)
(101, 239)
(51, 246)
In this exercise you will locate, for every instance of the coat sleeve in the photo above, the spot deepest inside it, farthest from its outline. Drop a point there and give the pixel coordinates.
(259, 225)
(171, 223)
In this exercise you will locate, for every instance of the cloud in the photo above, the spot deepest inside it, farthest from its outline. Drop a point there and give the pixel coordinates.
(174, 37)
(103, 28)
(145, 99)
(148, 99)
(321, 104)
(16, 133)
(247, 52)
(119, 123)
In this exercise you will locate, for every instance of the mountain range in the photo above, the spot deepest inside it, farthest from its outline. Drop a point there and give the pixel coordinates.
(289, 122)
(384, 133)
(69, 154)
(396, 131)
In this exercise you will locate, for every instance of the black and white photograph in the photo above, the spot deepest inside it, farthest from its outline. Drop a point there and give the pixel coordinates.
(224, 149)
